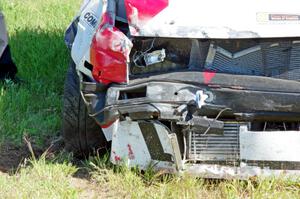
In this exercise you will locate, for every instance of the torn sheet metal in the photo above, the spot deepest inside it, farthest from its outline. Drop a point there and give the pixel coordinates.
(109, 55)
(109, 130)
(110, 50)
(209, 19)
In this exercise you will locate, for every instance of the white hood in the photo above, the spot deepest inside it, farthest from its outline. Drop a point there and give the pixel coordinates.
(217, 19)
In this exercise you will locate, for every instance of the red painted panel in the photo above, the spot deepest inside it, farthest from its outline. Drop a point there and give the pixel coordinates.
(208, 76)
(144, 9)
(109, 52)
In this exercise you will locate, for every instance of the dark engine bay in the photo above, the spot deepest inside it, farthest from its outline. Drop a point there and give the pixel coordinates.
(278, 58)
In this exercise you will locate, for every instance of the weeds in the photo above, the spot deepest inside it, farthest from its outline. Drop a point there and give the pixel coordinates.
(134, 183)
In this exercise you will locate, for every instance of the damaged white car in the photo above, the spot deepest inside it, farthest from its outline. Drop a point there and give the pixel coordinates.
(206, 87)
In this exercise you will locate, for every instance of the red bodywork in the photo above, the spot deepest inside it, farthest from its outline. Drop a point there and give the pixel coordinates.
(145, 9)
(110, 48)
(109, 53)
(140, 11)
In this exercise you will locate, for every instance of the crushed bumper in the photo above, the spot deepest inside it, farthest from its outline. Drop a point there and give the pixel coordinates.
(247, 97)
(200, 123)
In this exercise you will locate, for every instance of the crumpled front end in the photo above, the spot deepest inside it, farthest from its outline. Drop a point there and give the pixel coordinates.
(185, 100)
(176, 122)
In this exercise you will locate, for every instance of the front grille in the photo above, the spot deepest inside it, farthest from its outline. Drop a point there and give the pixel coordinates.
(280, 59)
(247, 61)
(215, 148)
(293, 70)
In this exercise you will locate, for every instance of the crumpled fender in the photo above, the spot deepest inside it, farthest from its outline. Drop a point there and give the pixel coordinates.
(109, 53)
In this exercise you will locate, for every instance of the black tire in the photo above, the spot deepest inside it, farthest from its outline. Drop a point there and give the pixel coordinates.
(81, 134)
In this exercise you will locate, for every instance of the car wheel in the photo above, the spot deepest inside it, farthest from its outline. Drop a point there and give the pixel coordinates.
(81, 134)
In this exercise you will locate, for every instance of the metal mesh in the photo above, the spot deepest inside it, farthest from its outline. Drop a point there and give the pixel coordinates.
(215, 147)
(273, 59)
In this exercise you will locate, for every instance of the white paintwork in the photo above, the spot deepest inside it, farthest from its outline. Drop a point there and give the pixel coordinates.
(129, 135)
(270, 146)
(222, 19)
(109, 131)
(85, 32)
(201, 97)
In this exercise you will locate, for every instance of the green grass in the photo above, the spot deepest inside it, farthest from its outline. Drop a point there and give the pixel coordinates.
(40, 180)
(36, 30)
(55, 179)
(131, 183)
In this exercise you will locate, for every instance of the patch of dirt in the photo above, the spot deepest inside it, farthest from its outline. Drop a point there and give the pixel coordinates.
(11, 156)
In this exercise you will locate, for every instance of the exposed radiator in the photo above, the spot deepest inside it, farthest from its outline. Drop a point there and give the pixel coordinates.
(248, 61)
(219, 148)
(273, 59)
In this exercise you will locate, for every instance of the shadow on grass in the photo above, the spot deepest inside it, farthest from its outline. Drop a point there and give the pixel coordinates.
(34, 107)
(40, 55)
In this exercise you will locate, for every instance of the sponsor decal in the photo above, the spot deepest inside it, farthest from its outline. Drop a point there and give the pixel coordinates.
(284, 17)
(277, 17)
(90, 19)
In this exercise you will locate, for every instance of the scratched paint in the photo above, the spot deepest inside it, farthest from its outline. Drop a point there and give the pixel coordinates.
(130, 152)
(116, 157)
(208, 76)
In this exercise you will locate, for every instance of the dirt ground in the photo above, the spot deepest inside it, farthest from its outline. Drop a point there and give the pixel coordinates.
(11, 156)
